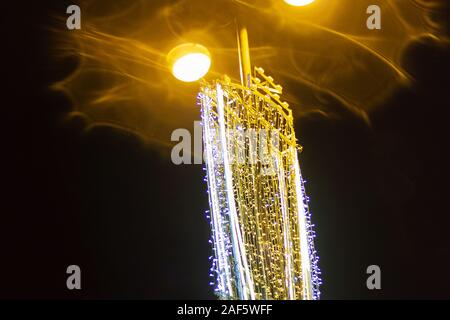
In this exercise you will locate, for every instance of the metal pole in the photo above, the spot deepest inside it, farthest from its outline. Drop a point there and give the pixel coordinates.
(244, 56)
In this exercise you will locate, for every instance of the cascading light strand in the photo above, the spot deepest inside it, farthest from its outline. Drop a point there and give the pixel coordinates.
(262, 236)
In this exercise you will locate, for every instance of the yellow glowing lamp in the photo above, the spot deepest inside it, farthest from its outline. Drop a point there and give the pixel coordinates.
(299, 3)
(189, 62)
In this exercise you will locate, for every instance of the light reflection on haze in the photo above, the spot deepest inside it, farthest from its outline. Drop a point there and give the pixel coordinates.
(321, 49)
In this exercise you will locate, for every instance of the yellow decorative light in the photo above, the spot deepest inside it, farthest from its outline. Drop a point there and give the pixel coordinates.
(299, 3)
(262, 233)
(189, 62)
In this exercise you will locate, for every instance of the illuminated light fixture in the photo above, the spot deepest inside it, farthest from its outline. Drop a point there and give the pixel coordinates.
(189, 62)
(261, 229)
(299, 3)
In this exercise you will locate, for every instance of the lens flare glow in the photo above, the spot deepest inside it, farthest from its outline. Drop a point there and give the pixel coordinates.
(299, 3)
(311, 47)
(189, 62)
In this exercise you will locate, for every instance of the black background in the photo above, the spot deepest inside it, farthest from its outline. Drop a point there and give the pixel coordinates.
(134, 222)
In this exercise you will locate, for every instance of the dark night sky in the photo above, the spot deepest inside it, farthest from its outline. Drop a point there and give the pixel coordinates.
(134, 222)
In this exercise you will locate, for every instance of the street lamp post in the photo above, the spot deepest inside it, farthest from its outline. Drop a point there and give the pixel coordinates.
(261, 229)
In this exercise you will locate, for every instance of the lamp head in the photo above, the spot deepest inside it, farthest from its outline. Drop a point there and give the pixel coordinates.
(299, 3)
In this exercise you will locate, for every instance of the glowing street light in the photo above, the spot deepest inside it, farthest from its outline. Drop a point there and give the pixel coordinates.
(299, 3)
(189, 62)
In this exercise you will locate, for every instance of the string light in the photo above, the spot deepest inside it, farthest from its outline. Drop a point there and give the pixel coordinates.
(299, 3)
(262, 235)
